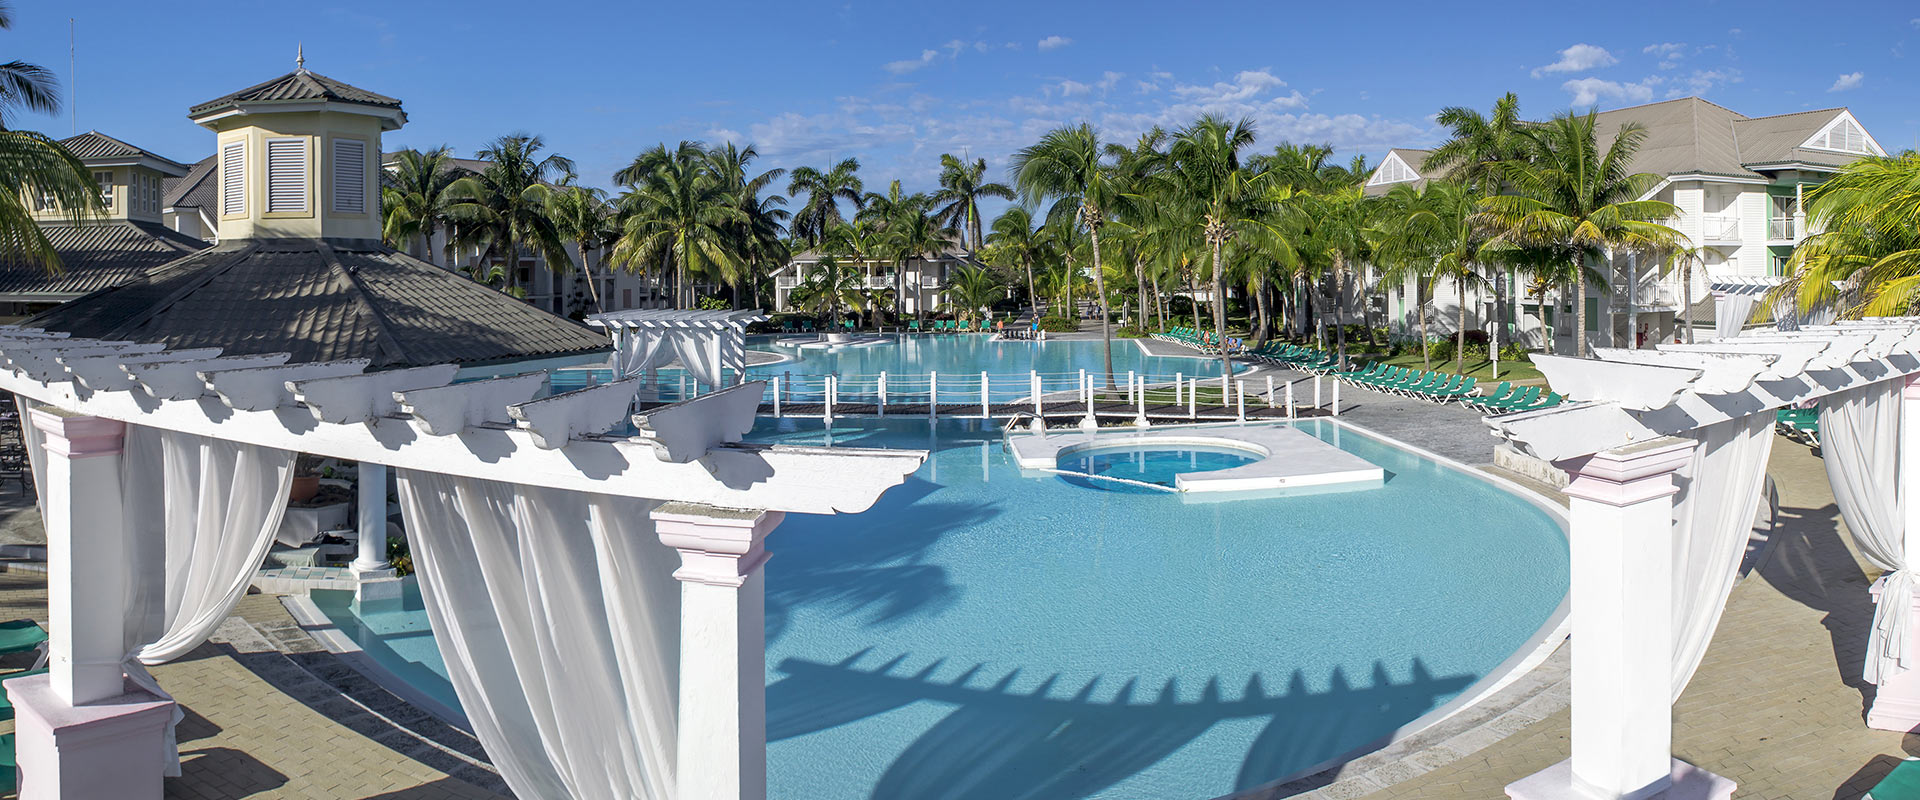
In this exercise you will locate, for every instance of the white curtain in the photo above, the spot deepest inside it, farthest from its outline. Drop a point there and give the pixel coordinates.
(34, 440)
(1713, 516)
(642, 350)
(200, 515)
(700, 353)
(1860, 445)
(1730, 313)
(558, 616)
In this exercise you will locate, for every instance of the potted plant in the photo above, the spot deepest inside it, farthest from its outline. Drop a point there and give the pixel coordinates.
(306, 480)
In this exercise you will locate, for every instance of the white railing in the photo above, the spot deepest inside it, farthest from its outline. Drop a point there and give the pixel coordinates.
(929, 282)
(1782, 227)
(1719, 228)
(786, 281)
(879, 282)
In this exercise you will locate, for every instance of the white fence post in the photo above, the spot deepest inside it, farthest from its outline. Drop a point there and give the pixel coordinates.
(833, 388)
(1178, 379)
(1033, 385)
(933, 394)
(1270, 391)
(776, 397)
(1140, 400)
(1240, 402)
(883, 392)
(1289, 399)
(1089, 422)
(1130, 386)
(1086, 392)
(1316, 393)
(1193, 398)
(1336, 398)
(986, 409)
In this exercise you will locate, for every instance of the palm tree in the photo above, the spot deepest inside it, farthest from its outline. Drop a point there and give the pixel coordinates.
(506, 203)
(1227, 199)
(1438, 225)
(680, 214)
(38, 172)
(1015, 240)
(758, 236)
(829, 290)
(417, 199)
(824, 190)
(885, 213)
(962, 184)
(1473, 152)
(1869, 243)
(1571, 196)
(972, 289)
(581, 214)
(1068, 164)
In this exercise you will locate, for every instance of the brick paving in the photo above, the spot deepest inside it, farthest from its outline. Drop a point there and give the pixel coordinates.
(1777, 705)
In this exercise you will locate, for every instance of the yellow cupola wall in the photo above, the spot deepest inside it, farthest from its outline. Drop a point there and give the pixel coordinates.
(299, 157)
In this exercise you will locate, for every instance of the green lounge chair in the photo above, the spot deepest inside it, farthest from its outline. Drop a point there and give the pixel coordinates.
(6, 703)
(1903, 783)
(1527, 396)
(21, 635)
(9, 766)
(913, 326)
(1464, 389)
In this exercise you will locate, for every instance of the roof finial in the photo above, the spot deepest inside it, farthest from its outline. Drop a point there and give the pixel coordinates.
(300, 57)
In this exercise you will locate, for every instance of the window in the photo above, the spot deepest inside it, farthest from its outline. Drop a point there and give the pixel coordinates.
(349, 176)
(1844, 136)
(626, 298)
(233, 178)
(104, 179)
(286, 176)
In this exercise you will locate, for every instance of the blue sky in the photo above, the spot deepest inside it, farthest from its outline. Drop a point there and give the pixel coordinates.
(897, 84)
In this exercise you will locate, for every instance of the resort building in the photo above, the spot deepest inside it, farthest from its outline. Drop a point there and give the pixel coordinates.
(1739, 183)
(925, 278)
(96, 252)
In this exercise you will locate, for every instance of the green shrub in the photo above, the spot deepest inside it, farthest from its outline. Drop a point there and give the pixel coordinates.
(1513, 351)
(1059, 325)
(1440, 350)
(1129, 332)
(399, 556)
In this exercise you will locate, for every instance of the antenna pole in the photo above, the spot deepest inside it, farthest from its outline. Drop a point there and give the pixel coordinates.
(73, 85)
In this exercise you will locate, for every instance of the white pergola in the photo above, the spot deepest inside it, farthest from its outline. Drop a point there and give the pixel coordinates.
(83, 723)
(1622, 441)
(722, 334)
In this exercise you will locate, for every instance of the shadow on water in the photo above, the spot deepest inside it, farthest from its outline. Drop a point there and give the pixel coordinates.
(1061, 743)
(1811, 564)
(872, 563)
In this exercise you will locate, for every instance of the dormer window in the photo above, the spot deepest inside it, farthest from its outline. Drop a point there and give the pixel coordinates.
(349, 176)
(104, 179)
(1843, 136)
(233, 178)
(1393, 170)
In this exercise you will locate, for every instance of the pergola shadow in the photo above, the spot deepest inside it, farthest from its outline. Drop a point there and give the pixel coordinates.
(1812, 565)
(1054, 742)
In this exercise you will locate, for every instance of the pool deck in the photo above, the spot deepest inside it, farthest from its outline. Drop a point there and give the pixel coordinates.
(1777, 704)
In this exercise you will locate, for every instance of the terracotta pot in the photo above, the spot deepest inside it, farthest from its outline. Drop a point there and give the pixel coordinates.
(304, 488)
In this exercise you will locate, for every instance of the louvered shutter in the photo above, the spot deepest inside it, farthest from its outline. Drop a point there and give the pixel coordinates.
(349, 176)
(286, 175)
(233, 178)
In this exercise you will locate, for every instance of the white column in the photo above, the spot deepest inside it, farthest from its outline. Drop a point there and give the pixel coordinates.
(81, 730)
(723, 676)
(1621, 557)
(371, 560)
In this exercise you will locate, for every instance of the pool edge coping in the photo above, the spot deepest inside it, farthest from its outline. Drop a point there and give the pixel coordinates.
(321, 628)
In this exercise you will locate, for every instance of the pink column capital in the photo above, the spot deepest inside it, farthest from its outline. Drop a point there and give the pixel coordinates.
(76, 436)
(1911, 389)
(1627, 475)
(718, 546)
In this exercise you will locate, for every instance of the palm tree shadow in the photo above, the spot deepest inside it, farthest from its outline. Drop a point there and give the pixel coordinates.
(1811, 564)
(1065, 742)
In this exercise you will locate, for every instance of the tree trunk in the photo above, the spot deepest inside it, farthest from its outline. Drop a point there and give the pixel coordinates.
(1340, 307)
(1220, 314)
(1070, 312)
(1100, 304)
(1460, 346)
(1033, 293)
(1579, 310)
(1546, 334)
(1193, 297)
(1260, 311)
(1686, 294)
(592, 290)
(1420, 307)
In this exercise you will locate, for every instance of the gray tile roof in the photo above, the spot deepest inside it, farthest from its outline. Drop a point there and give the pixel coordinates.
(197, 189)
(97, 146)
(299, 85)
(96, 255)
(1771, 140)
(323, 300)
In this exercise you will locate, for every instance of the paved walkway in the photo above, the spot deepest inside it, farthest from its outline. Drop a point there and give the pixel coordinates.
(1777, 705)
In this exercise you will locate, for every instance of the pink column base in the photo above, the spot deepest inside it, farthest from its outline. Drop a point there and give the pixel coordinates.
(112, 748)
(1556, 783)
(1896, 703)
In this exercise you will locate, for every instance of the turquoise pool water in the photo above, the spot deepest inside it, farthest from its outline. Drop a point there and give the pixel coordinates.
(983, 634)
(957, 358)
(1151, 465)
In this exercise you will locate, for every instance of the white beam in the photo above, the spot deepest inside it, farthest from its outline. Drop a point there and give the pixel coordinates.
(265, 388)
(592, 411)
(448, 410)
(183, 380)
(358, 398)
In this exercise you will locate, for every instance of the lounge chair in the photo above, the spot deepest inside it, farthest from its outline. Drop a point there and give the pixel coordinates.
(6, 703)
(21, 635)
(1903, 783)
(9, 766)
(913, 326)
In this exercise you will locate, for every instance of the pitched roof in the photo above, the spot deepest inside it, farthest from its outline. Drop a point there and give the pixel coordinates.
(96, 255)
(299, 85)
(1415, 157)
(1692, 135)
(1777, 139)
(322, 300)
(197, 189)
(97, 146)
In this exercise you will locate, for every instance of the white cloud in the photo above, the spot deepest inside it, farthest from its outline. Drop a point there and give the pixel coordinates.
(1245, 85)
(797, 138)
(909, 65)
(1670, 53)
(1702, 81)
(1588, 91)
(1850, 80)
(1071, 88)
(1054, 43)
(1146, 86)
(1579, 58)
(1109, 79)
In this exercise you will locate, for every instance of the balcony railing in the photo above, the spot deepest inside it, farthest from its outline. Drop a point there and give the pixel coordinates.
(1782, 228)
(929, 282)
(786, 281)
(1718, 228)
(879, 282)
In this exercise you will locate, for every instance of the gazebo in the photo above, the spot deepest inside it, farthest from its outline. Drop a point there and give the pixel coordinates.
(705, 342)
(1667, 450)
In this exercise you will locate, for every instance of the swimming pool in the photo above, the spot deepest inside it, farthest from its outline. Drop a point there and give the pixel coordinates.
(988, 633)
(957, 359)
